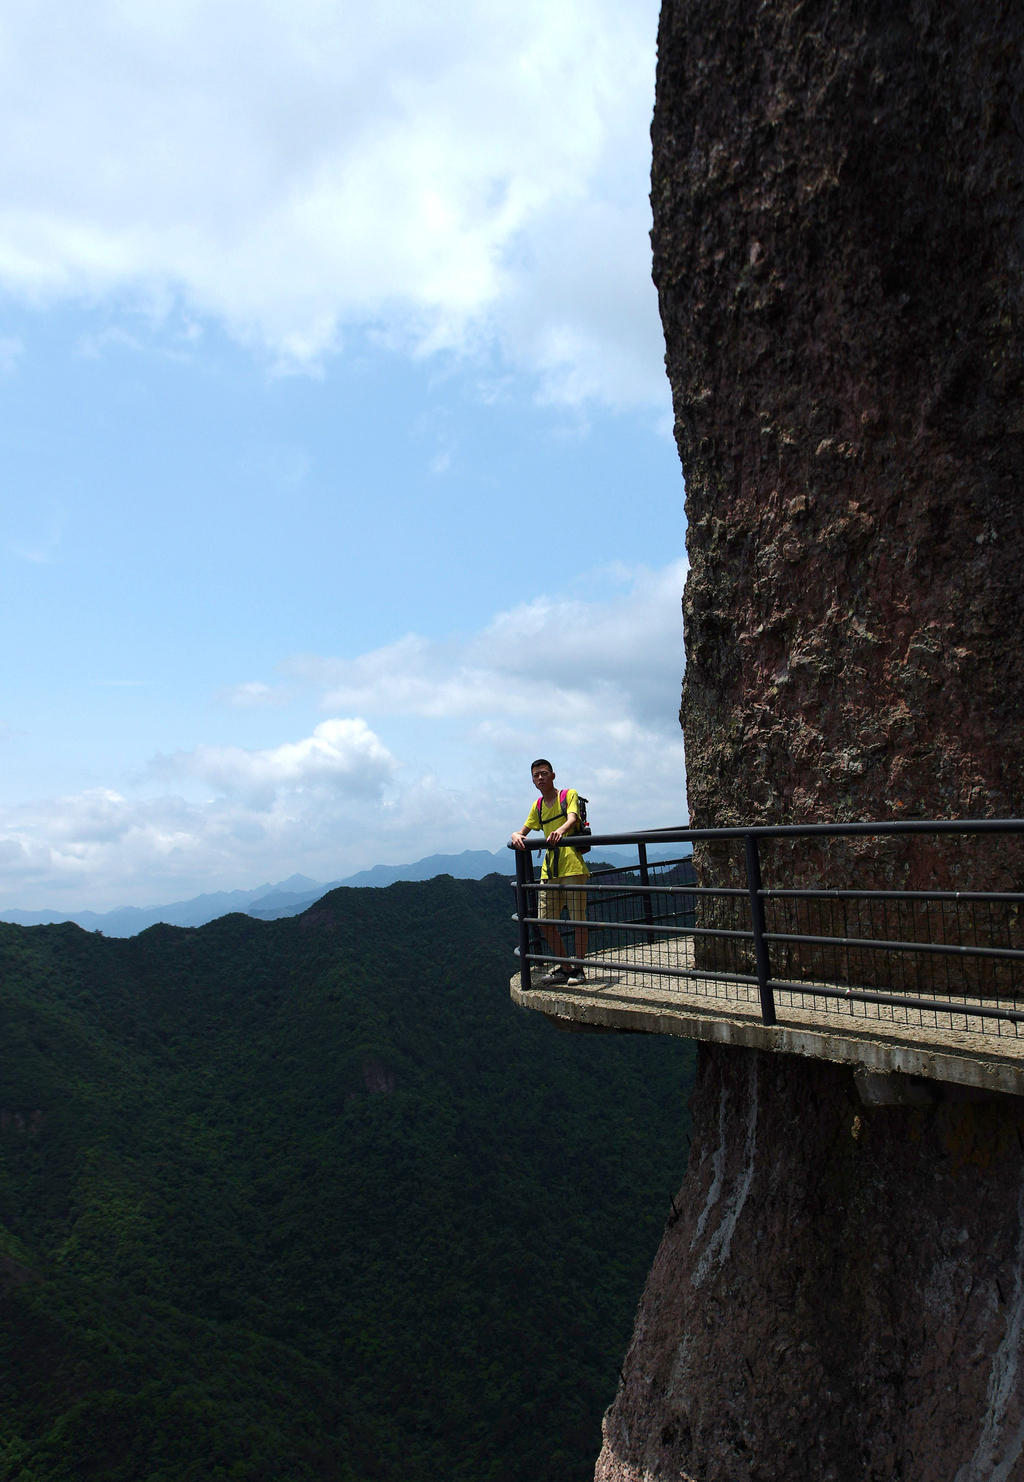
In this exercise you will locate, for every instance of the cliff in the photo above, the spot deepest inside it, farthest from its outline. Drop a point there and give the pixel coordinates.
(837, 196)
(842, 1296)
(838, 193)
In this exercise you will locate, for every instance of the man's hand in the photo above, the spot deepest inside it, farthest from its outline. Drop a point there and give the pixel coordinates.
(568, 827)
(519, 840)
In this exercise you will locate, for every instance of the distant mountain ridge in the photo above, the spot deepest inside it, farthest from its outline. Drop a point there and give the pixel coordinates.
(312, 1200)
(128, 921)
(296, 894)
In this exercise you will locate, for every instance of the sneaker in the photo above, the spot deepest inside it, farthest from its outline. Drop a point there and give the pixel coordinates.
(555, 976)
(575, 975)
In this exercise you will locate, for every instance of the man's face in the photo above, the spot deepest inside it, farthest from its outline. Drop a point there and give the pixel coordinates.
(543, 778)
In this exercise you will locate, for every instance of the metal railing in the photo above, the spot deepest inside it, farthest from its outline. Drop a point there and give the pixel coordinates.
(857, 938)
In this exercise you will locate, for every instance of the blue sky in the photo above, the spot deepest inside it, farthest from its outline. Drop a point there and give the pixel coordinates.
(338, 476)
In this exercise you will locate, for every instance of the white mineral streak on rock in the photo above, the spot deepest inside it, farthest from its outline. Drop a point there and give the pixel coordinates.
(721, 1241)
(986, 1465)
(678, 1380)
(717, 1169)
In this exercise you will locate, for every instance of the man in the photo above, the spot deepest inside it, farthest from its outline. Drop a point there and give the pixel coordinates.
(558, 821)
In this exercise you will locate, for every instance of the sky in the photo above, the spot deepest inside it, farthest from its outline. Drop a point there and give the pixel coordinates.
(338, 472)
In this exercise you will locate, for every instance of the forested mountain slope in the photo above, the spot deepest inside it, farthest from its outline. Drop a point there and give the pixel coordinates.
(311, 1198)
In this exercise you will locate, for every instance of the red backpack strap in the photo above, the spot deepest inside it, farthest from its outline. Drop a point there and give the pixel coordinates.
(540, 806)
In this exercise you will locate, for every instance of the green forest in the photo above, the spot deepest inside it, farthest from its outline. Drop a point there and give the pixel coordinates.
(312, 1198)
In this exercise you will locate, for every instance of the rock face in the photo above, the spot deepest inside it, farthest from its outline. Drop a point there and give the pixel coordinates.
(838, 197)
(838, 194)
(842, 1297)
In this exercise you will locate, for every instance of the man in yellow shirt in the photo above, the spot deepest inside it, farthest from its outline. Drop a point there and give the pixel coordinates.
(558, 819)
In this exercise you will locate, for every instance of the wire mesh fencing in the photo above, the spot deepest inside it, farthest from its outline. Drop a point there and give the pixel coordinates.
(868, 932)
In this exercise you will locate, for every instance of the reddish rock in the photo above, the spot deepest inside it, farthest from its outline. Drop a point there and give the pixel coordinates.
(838, 193)
(842, 1297)
(838, 196)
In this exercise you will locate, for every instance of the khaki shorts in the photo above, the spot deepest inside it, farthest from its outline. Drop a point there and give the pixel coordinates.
(551, 902)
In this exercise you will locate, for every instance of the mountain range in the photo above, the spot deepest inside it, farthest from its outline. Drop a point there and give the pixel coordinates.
(296, 894)
(312, 1201)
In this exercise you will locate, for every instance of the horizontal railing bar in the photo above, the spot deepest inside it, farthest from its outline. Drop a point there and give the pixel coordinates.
(899, 1000)
(893, 895)
(625, 893)
(676, 931)
(684, 835)
(1004, 897)
(662, 924)
(602, 923)
(1004, 954)
(656, 923)
(644, 967)
(821, 990)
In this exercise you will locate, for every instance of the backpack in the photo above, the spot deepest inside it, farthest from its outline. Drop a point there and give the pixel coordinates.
(583, 827)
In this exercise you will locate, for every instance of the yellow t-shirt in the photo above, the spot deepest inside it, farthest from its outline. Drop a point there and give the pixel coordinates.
(570, 861)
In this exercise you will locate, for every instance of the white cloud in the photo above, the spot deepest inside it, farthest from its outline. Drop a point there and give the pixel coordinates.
(554, 658)
(440, 764)
(254, 693)
(342, 757)
(448, 174)
(592, 683)
(304, 800)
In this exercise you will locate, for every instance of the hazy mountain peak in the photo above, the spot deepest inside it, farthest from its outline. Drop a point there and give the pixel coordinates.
(297, 893)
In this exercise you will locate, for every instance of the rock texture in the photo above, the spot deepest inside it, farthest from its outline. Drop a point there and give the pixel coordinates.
(838, 196)
(842, 1297)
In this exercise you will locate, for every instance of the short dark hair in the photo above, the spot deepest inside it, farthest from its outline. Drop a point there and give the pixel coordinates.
(541, 761)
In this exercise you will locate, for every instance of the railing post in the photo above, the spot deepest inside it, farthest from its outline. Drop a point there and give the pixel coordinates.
(645, 879)
(764, 971)
(524, 876)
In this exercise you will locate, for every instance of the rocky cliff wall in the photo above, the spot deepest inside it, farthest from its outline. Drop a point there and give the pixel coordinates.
(842, 1297)
(838, 195)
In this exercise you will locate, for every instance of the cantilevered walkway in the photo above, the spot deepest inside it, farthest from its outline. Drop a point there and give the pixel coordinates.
(866, 961)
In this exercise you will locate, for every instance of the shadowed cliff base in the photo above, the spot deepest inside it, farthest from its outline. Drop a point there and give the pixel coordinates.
(837, 193)
(842, 1295)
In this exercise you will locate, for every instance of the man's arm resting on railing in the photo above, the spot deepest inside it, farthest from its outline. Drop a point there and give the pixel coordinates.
(555, 835)
(568, 827)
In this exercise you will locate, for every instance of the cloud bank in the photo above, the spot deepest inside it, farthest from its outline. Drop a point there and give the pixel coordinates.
(425, 748)
(451, 177)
